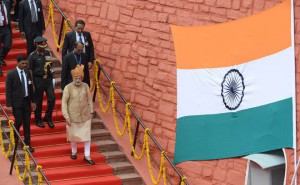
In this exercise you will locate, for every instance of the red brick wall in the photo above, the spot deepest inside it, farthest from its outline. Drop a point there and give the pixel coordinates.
(134, 41)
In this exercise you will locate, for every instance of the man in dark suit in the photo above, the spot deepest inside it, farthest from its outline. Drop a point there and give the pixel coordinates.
(70, 61)
(84, 37)
(5, 31)
(31, 22)
(19, 96)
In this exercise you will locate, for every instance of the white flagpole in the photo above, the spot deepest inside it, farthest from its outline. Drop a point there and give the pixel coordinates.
(296, 162)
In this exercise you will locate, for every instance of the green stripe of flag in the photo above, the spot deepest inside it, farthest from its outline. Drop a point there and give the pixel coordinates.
(239, 133)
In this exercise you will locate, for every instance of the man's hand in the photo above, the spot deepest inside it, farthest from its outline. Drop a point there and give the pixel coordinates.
(90, 65)
(68, 121)
(33, 106)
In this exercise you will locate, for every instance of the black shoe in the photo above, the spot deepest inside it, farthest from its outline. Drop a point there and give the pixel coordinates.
(91, 162)
(3, 63)
(50, 124)
(73, 156)
(31, 149)
(40, 124)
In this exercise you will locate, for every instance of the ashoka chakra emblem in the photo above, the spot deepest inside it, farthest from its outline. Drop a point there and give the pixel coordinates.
(233, 89)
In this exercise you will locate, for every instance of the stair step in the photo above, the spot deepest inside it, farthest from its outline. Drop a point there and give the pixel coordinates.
(79, 171)
(10, 64)
(66, 161)
(122, 167)
(114, 156)
(49, 139)
(60, 138)
(18, 44)
(107, 145)
(63, 149)
(57, 107)
(105, 180)
(58, 81)
(131, 179)
(57, 116)
(16, 34)
(57, 70)
(100, 134)
(59, 127)
(14, 53)
(2, 87)
(3, 97)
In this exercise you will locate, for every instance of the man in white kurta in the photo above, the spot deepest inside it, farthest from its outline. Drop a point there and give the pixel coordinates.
(77, 108)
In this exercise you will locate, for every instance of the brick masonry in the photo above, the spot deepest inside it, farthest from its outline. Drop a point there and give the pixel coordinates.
(133, 39)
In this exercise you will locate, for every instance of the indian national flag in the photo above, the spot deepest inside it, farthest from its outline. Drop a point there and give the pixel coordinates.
(236, 86)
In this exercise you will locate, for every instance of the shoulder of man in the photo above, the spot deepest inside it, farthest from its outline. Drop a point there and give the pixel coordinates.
(27, 71)
(48, 52)
(7, 3)
(21, 3)
(70, 54)
(86, 85)
(31, 55)
(69, 86)
(70, 33)
(86, 33)
(11, 72)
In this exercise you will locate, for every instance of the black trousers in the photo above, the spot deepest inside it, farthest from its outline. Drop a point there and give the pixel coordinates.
(22, 116)
(43, 85)
(5, 41)
(30, 36)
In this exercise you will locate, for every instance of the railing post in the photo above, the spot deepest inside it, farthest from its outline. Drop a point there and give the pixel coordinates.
(60, 31)
(136, 134)
(14, 155)
(95, 90)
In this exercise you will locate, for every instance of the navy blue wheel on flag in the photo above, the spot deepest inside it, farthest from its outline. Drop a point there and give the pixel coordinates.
(233, 89)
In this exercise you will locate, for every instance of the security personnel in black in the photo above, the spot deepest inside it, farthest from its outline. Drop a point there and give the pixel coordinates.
(41, 69)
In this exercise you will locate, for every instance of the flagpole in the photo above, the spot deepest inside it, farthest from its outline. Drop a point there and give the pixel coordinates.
(296, 162)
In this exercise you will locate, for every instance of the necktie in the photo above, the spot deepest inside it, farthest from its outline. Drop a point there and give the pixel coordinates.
(23, 84)
(3, 14)
(78, 60)
(80, 39)
(33, 12)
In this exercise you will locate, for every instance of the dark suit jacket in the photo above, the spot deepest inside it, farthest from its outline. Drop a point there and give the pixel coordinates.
(25, 24)
(13, 89)
(69, 45)
(69, 63)
(8, 8)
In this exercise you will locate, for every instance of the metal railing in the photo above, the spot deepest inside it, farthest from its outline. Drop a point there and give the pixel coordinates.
(19, 138)
(63, 18)
(139, 121)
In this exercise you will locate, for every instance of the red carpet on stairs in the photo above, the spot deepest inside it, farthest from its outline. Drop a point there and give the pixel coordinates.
(52, 151)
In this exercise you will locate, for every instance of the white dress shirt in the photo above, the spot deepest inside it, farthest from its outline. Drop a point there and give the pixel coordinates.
(36, 10)
(83, 40)
(25, 80)
(2, 16)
